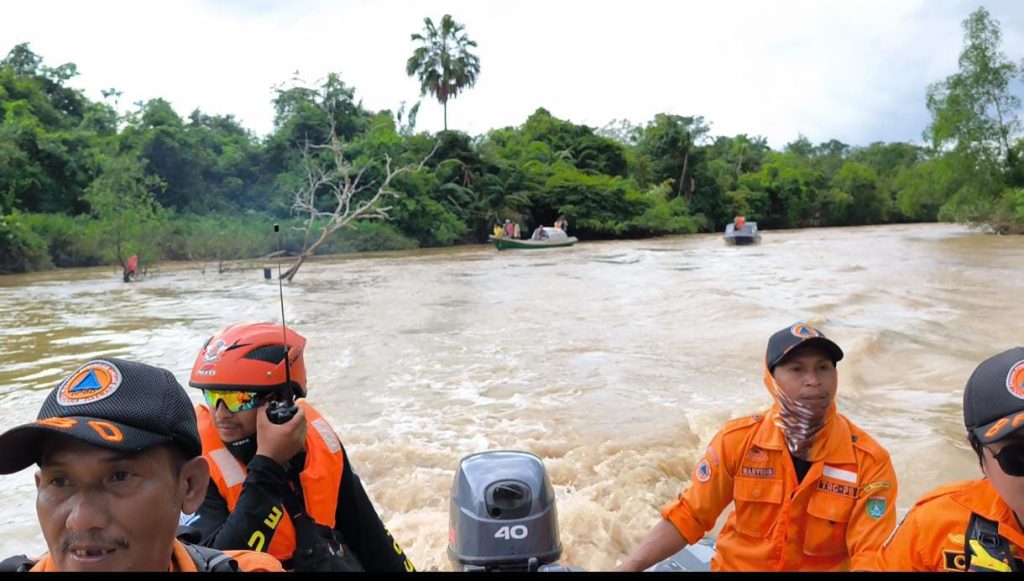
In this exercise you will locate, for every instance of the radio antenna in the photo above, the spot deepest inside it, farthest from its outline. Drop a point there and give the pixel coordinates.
(280, 294)
(282, 410)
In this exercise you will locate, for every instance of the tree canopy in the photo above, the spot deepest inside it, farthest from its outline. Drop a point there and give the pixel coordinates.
(69, 165)
(443, 61)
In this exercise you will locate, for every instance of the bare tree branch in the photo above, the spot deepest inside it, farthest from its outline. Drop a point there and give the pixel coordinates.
(354, 199)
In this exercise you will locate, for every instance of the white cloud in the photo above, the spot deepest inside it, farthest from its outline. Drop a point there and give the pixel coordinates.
(850, 70)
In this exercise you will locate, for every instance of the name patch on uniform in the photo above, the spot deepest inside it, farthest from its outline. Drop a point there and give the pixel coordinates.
(758, 472)
(837, 488)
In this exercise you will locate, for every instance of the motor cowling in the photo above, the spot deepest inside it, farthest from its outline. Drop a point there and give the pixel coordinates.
(502, 515)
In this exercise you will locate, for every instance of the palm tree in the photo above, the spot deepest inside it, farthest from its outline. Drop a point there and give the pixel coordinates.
(443, 62)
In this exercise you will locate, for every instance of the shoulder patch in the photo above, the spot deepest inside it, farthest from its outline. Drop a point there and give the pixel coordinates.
(703, 471)
(876, 507)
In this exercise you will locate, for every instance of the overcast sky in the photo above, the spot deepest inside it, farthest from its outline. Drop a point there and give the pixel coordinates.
(853, 70)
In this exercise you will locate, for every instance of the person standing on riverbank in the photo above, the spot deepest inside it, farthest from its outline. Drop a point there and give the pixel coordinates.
(131, 270)
(287, 489)
(974, 525)
(119, 459)
(813, 492)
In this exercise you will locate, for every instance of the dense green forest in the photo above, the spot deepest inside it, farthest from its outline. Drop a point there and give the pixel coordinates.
(81, 184)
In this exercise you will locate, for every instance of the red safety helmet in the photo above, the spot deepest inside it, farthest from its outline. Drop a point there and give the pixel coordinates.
(250, 357)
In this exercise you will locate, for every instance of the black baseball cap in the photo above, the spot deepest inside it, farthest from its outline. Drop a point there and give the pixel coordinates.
(994, 397)
(798, 335)
(115, 404)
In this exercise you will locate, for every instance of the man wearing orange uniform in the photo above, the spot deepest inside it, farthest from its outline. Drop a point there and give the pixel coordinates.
(119, 458)
(813, 492)
(974, 525)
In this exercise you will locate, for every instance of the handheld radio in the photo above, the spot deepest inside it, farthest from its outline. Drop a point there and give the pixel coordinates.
(283, 407)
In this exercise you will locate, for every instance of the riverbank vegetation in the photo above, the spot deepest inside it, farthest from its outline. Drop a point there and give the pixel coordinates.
(83, 185)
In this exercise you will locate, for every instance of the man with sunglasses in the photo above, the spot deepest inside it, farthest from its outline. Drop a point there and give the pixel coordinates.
(974, 525)
(285, 487)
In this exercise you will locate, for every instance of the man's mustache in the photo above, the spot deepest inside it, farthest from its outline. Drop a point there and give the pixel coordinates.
(91, 539)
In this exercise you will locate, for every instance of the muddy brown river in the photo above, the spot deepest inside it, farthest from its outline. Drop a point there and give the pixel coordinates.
(615, 362)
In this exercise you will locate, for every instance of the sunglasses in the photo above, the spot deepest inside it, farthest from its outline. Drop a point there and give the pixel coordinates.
(235, 401)
(1011, 459)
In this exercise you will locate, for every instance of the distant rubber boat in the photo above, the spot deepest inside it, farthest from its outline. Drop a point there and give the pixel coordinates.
(552, 238)
(747, 235)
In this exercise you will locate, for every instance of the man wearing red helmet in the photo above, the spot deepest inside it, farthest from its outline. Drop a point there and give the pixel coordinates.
(282, 485)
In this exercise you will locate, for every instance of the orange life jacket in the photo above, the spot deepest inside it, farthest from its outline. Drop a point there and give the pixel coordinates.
(321, 478)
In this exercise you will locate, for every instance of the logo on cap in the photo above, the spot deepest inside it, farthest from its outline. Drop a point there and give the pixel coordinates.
(213, 353)
(1015, 380)
(803, 331)
(92, 382)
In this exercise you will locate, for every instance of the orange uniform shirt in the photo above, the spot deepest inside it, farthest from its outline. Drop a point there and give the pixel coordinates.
(835, 520)
(931, 536)
(181, 562)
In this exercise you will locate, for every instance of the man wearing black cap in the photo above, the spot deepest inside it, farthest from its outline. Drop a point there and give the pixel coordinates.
(974, 525)
(119, 460)
(812, 491)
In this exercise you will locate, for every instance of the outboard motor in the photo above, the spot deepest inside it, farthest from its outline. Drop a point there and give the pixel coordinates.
(502, 514)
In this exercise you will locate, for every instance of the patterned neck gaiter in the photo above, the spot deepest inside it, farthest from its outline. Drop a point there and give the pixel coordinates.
(800, 421)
